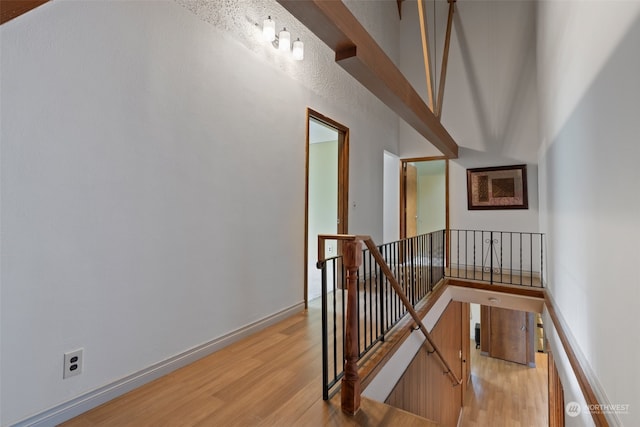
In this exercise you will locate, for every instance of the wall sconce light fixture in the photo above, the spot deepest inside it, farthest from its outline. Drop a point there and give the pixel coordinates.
(298, 50)
(269, 30)
(282, 41)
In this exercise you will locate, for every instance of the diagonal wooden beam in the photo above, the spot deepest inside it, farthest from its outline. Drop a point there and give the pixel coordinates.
(445, 61)
(424, 35)
(10, 9)
(399, 8)
(359, 54)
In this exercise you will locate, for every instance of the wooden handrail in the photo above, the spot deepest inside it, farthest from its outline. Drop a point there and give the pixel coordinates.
(599, 418)
(352, 260)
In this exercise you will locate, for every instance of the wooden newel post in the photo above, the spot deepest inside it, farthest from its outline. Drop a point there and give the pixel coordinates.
(350, 392)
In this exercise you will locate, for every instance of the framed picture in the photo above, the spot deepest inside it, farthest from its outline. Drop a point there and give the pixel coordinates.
(502, 187)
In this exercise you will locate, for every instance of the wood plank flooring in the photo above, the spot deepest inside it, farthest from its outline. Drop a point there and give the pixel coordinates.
(506, 394)
(272, 378)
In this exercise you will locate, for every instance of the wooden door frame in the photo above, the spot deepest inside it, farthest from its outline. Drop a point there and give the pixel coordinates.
(403, 197)
(343, 187)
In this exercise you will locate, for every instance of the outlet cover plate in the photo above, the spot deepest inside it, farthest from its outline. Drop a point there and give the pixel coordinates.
(73, 363)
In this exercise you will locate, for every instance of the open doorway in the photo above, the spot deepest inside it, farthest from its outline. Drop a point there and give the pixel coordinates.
(327, 183)
(424, 196)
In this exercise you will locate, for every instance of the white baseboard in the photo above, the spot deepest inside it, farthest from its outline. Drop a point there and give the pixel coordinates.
(87, 401)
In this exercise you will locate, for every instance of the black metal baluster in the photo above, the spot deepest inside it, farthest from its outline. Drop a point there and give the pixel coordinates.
(363, 294)
(511, 258)
(466, 253)
(542, 260)
(531, 259)
(370, 280)
(501, 245)
(474, 254)
(325, 340)
(521, 283)
(491, 257)
(335, 320)
(458, 252)
(381, 331)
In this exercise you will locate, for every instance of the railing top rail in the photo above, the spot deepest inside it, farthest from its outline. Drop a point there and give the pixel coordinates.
(498, 231)
(346, 237)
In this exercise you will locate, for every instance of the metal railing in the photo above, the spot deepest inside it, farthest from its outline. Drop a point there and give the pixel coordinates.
(418, 265)
(513, 258)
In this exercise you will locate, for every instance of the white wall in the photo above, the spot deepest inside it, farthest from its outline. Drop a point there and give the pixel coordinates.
(431, 191)
(149, 161)
(323, 207)
(589, 205)
(493, 220)
(391, 198)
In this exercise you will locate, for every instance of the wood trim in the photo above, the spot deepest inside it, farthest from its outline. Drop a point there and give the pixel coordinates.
(343, 187)
(423, 159)
(359, 54)
(507, 289)
(305, 278)
(403, 199)
(399, 2)
(424, 35)
(465, 344)
(10, 9)
(598, 418)
(555, 394)
(343, 167)
(445, 60)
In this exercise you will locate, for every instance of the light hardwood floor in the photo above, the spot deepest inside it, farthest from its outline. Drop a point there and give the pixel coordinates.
(505, 393)
(272, 378)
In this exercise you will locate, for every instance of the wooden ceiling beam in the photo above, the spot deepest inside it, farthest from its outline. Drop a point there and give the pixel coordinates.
(445, 61)
(424, 35)
(359, 54)
(399, 8)
(10, 9)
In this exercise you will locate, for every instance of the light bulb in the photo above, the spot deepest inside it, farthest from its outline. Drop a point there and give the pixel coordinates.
(298, 50)
(269, 29)
(284, 43)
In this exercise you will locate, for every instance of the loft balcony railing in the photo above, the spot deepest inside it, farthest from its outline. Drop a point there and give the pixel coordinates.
(390, 280)
(512, 258)
(416, 264)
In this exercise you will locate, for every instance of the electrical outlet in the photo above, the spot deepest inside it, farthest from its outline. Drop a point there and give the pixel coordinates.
(72, 363)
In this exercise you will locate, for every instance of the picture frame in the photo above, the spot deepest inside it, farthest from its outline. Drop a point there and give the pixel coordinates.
(500, 187)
